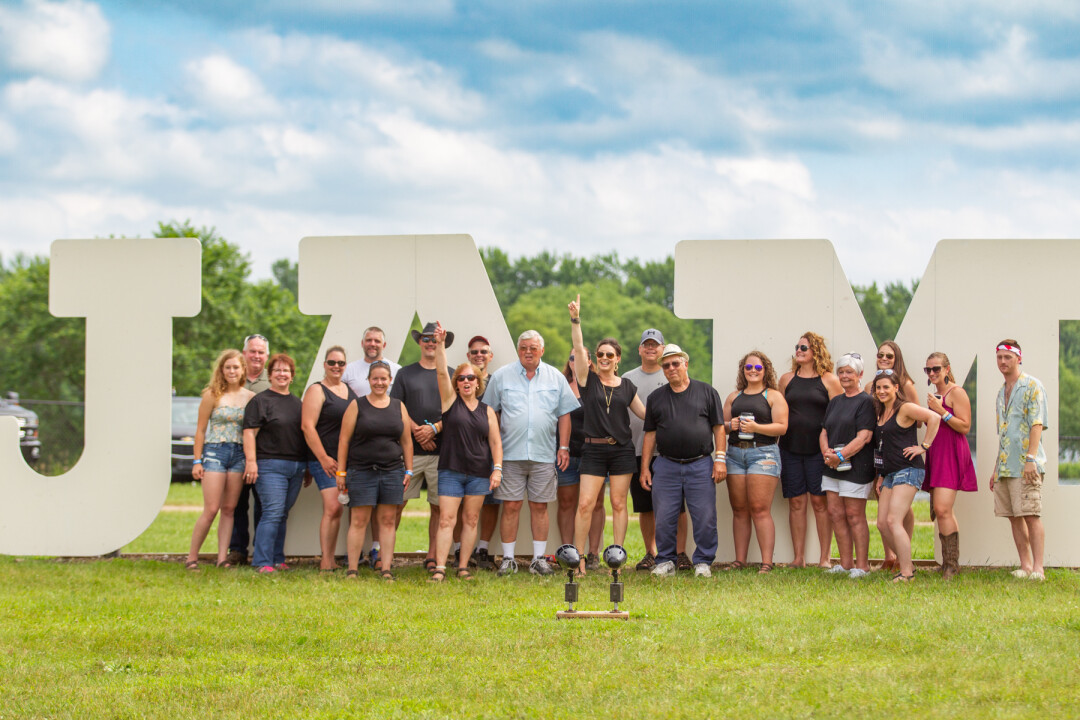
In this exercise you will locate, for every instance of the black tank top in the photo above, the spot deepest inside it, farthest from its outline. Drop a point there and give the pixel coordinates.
(376, 441)
(758, 405)
(328, 425)
(465, 446)
(807, 400)
(891, 440)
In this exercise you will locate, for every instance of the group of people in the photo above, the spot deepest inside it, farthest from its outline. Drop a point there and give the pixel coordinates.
(371, 433)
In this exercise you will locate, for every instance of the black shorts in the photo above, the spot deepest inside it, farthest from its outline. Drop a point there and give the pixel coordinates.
(604, 460)
(643, 498)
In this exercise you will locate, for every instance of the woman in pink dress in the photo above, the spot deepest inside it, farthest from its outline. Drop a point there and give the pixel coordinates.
(949, 468)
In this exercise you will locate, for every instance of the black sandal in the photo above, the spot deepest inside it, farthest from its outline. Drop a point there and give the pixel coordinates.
(225, 564)
(430, 565)
(387, 575)
(438, 576)
(765, 569)
(902, 578)
(464, 574)
(192, 565)
(737, 565)
(351, 573)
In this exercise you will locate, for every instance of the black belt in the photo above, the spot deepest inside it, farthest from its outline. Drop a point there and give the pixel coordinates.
(601, 441)
(683, 461)
(750, 443)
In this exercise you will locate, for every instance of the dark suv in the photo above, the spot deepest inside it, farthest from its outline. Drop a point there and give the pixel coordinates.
(28, 426)
(185, 416)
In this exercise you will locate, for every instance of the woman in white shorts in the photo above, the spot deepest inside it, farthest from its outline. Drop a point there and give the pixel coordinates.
(846, 432)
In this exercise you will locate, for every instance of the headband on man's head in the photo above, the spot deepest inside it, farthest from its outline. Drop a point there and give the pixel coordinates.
(1011, 348)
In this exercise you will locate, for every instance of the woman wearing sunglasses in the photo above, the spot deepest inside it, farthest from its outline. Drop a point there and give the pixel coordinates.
(608, 449)
(754, 418)
(807, 388)
(948, 462)
(899, 463)
(889, 357)
(325, 403)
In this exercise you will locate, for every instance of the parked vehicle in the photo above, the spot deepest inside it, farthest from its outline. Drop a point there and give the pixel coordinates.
(185, 416)
(29, 440)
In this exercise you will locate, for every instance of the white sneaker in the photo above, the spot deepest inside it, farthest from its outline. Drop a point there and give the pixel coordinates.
(702, 570)
(664, 569)
(836, 570)
(1036, 576)
(507, 567)
(856, 573)
(1020, 573)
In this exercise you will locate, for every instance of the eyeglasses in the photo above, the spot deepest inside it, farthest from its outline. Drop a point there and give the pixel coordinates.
(427, 338)
(885, 356)
(884, 372)
(931, 370)
(336, 363)
(804, 348)
(751, 366)
(606, 355)
(467, 378)
(671, 364)
(478, 352)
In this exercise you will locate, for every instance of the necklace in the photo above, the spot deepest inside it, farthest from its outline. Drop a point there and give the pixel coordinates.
(607, 397)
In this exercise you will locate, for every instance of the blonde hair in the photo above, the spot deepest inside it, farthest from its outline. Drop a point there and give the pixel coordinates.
(822, 359)
(945, 362)
(460, 370)
(769, 373)
(218, 386)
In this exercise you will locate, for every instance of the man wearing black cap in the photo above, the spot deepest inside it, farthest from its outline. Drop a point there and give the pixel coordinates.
(417, 386)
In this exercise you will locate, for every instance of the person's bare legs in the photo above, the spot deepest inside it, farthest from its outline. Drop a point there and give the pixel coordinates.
(899, 505)
(838, 516)
(1023, 543)
(433, 529)
(797, 522)
(884, 498)
(358, 522)
(620, 517)
(508, 526)
(759, 492)
(943, 500)
(590, 487)
(470, 516)
(489, 520)
(565, 517)
(855, 510)
(213, 489)
(329, 526)
(445, 537)
(1037, 539)
(387, 517)
(823, 523)
(538, 514)
(741, 527)
(596, 527)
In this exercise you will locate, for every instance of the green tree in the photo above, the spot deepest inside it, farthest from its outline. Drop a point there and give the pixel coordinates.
(884, 311)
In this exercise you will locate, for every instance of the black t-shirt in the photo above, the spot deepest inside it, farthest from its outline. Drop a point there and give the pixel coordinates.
(606, 408)
(328, 426)
(418, 388)
(844, 418)
(684, 421)
(376, 439)
(277, 417)
(807, 399)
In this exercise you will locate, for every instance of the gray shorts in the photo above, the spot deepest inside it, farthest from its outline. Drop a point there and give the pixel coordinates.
(424, 467)
(521, 478)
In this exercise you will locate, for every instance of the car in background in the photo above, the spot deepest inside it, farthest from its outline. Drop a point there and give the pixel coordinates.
(29, 440)
(185, 416)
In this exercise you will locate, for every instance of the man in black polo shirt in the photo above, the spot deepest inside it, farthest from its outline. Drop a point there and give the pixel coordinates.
(684, 420)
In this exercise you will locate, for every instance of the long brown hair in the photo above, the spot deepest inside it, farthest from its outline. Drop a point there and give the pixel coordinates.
(217, 385)
(893, 377)
(770, 374)
(822, 359)
(898, 362)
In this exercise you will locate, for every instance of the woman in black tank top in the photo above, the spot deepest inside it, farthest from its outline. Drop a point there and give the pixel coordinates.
(320, 418)
(470, 458)
(808, 388)
(753, 465)
(898, 458)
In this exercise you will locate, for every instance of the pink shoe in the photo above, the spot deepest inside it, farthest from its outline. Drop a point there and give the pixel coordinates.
(281, 566)
(265, 569)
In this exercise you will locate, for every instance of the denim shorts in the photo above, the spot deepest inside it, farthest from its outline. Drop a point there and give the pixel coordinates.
(763, 460)
(223, 458)
(324, 481)
(376, 487)
(908, 476)
(457, 484)
(572, 474)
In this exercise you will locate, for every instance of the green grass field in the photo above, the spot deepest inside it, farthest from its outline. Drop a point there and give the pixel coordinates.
(131, 638)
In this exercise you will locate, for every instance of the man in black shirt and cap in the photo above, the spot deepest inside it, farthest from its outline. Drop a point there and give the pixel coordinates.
(684, 420)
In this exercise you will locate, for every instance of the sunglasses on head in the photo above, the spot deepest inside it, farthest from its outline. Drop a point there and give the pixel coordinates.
(804, 348)
(752, 366)
(885, 356)
(603, 354)
(935, 369)
(336, 363)
(884, 372)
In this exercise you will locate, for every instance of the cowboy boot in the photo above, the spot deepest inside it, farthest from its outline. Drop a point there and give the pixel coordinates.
(950, 554)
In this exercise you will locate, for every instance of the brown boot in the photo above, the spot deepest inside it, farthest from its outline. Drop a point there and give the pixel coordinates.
(950, 555)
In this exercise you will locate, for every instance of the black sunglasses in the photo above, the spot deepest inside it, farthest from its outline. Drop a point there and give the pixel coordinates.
(804, 348)
(467, 378)
(935, 369)
(336, 363)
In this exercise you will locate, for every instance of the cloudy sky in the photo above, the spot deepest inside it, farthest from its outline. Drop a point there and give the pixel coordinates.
(577, 127)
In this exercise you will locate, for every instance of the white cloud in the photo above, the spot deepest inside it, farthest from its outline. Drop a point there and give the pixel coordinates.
(228, 89)
(61, 40)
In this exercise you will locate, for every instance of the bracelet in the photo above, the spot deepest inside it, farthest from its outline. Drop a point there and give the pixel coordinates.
(947, 416)
(839, 455)
(409, 473)
(564, 447)
(432, 426)
(575, 321)
(497, 467)
(925, 445)
(340, 473)
(196, 461)
(1029, 458)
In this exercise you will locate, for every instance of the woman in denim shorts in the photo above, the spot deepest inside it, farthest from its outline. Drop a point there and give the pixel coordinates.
(324, 405)
(219, 453)
(754, 418)
(899, 463)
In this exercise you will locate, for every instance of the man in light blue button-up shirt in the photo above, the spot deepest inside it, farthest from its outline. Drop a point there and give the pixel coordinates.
(533, 400)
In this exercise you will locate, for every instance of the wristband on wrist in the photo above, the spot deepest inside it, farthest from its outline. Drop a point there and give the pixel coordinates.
(497, 467)
(839, 455)
(947, 416)
(340, 473)
(575, 321)
(432, 426)
(196, 461)
(925, 445)
(564, 447)
(409, 473)
(1029, 458)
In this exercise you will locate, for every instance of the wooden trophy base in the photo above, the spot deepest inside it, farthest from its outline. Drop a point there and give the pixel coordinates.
(592, 615)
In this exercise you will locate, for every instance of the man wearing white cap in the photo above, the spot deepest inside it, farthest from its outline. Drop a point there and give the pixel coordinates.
(684, 421)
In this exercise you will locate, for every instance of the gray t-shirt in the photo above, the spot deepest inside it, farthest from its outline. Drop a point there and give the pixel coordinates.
(646, 383)
(356, 372)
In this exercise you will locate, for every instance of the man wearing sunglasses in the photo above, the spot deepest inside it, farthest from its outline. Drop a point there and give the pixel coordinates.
(356, 372)
(417, 386)
(256, 351)
(684, 421)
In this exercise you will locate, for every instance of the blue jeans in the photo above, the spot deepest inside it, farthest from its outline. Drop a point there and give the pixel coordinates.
(673, 483)
(278, 486)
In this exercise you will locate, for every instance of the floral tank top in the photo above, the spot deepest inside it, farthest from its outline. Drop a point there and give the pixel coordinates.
(224, 425)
